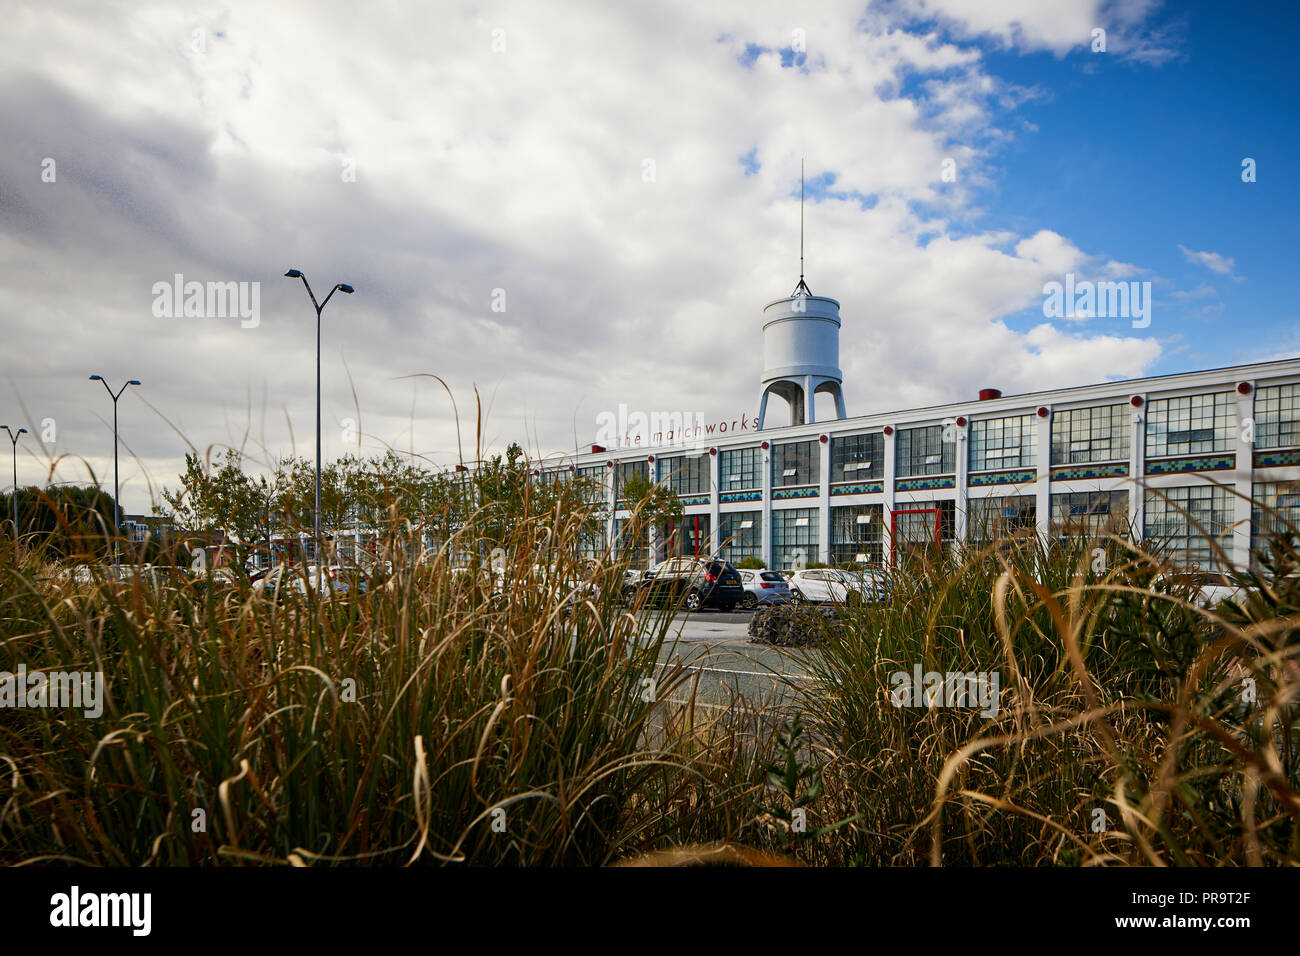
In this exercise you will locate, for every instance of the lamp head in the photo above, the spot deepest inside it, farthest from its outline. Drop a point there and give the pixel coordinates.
(293, 274)
(134, 381)
(346, 288)
(96, 378)
(22, 431)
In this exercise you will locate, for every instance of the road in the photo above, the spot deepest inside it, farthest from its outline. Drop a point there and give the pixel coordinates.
(714, 647)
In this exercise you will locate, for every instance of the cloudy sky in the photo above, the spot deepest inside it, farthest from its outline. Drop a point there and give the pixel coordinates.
(570, 206)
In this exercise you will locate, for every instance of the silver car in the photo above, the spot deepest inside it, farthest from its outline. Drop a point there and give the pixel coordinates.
(763, 587)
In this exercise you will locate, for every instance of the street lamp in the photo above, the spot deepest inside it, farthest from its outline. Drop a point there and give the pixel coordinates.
(13, 437)
(320, 307)
(117, 514)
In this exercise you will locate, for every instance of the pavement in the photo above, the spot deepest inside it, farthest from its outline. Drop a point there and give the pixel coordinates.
(713, 646)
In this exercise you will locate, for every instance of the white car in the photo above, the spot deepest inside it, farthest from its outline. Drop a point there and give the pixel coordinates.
(286, 577)
(1210, 587)
(831, 585)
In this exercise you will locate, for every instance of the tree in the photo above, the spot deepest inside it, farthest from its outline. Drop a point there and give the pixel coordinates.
(221, 499)
(64, 520)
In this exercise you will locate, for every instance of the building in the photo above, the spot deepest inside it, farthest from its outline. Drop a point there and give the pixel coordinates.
(1174, 458)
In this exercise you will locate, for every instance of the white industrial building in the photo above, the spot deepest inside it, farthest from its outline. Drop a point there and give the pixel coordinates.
(1169, 457)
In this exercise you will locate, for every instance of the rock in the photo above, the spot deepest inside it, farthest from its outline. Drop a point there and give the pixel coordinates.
(788, 625)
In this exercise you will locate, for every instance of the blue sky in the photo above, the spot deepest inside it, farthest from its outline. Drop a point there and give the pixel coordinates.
(1139, 160)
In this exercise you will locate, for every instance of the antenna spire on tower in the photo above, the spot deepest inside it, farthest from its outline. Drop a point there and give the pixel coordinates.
(802, 287)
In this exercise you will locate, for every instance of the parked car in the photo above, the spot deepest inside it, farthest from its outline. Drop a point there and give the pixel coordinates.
(1209, 588)
(763, 586)
(557, 582)
(832, 585)
(288, 577)
(697, 582)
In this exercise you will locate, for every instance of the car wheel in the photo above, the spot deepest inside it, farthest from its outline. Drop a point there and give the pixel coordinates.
(796, 596)
(693, 601)
(629, 595)
(749, 601)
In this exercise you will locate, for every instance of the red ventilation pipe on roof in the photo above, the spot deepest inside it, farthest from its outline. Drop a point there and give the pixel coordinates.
(989, 393)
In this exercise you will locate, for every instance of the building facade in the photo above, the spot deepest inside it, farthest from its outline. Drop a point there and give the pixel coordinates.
(1176, 459)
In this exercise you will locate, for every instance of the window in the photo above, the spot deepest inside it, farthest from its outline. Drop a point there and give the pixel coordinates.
(1089, 514)
(685, 474)
(795, 463)
(917, 527)
(689, 535)
(1001, 517)
(624, 470)
(857, 457)
(591, 540)
(741, 535)
(593, 480)
(1004, 443)
(922, 451)
(635, 548)
(739, 469)
(794, 537)
(1186, 524)
(1277, 416)
(858, 534)
(1274, 507)
(1091, 434)
(1194, 425)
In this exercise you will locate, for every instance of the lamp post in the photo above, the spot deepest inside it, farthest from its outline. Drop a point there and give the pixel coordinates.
(13, 438)
(117, 512)
(320, 307)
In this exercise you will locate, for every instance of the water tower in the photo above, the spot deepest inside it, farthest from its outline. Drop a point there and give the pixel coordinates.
(801, 349)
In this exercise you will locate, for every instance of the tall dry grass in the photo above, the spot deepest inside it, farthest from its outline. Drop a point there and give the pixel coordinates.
(449, 715)
(455, 716)
(1126, 732)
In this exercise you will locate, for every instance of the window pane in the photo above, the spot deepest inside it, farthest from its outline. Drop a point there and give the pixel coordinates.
(795, 463)
(1277, 416)
(1192, 425)
(922, 451)
(741, 535)
(1185, 524)
(794, 543)
(1004, 443)
(857, 457)
(1091, 434)
(738, 469)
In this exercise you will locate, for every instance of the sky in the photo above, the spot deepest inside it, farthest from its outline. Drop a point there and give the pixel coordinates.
(560, 209)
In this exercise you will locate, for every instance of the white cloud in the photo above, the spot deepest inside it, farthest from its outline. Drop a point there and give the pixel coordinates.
(520, 170)
(1060, 26)
(1223, 265)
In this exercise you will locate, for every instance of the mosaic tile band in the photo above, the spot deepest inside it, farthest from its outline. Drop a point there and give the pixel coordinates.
(1021, 476)
(859, 488)
(1176, 466)
(925, 484)
(1074, 472)
(784, 494)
